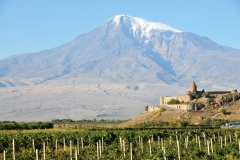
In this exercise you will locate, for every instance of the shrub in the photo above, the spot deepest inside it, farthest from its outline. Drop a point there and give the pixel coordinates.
(162, 109)
(174, 101)
(162, 124)
(194, 96)
(205, 94)
(224, 111)
(219, 122)
(175, 124)
(184, 123)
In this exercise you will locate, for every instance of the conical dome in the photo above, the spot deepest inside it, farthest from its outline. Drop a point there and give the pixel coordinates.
(193, 87)
(193, 84)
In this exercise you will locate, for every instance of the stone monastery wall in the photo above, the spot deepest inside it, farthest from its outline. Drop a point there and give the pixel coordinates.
(180, 106)
(152, 108)
(165, 99)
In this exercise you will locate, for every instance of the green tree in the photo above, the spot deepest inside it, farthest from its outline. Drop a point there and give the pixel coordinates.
(224, 111)
(174, 101)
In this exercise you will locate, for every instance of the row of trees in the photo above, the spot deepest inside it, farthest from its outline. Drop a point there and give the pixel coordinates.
(84, 121)
(207, 123)
(26, 126)
(12, 125)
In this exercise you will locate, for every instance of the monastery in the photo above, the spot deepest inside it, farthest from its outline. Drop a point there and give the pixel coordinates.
(193, 93)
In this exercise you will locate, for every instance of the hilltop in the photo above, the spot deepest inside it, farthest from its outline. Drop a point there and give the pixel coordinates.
(224, 107)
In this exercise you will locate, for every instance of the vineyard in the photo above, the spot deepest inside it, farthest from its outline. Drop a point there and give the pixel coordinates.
(120, 144)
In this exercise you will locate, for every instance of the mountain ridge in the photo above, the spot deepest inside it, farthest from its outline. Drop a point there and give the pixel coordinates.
(135, 65)
(164, 51)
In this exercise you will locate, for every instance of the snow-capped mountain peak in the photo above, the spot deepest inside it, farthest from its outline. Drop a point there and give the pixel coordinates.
(113, 74)
(139, 27)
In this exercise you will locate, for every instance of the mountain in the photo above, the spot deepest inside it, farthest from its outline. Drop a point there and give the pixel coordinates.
(129, 59)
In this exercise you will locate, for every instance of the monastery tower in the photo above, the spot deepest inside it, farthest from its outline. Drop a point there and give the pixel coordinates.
(193, 87)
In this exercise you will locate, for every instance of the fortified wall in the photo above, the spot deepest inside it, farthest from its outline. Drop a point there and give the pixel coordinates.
(152, 108)
(193, 89)
(188, 97)
(174, 106)
(165, 99)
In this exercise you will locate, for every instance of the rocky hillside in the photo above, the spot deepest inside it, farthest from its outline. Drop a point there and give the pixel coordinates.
(225, 106)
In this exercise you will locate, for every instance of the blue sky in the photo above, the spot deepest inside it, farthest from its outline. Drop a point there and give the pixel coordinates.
(31, 26)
